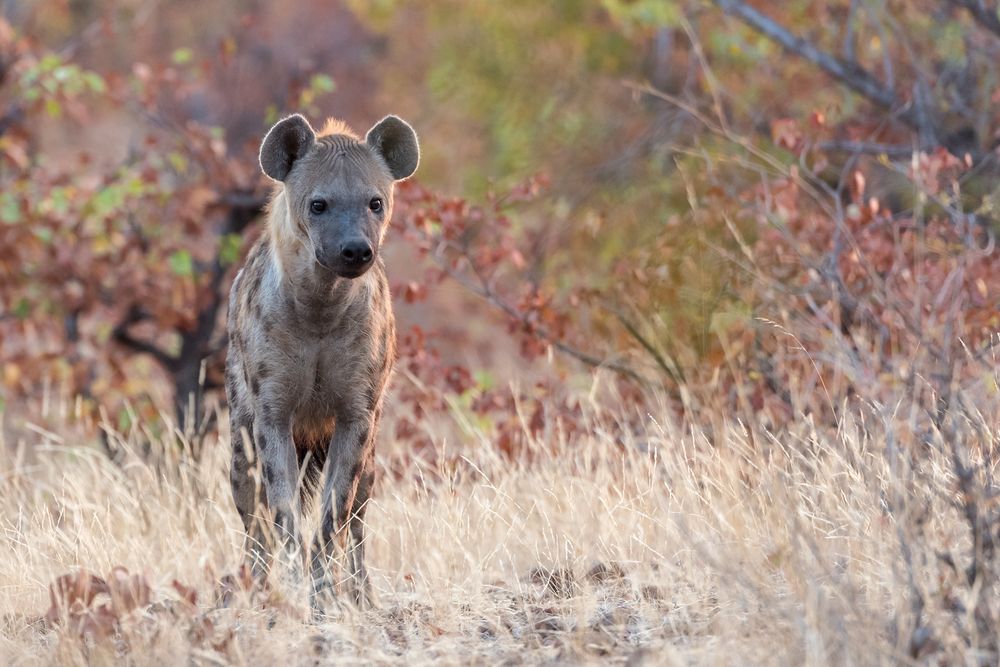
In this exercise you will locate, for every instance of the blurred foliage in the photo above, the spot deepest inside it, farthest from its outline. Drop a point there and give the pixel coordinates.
(644, 186)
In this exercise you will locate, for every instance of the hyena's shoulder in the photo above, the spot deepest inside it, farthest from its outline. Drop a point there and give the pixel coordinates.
(245, 296)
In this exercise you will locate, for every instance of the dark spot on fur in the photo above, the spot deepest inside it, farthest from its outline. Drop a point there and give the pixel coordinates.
(270, 474)
(365, 483)
(255, 385)
(263, 371)
(328, 526)
(343, 510)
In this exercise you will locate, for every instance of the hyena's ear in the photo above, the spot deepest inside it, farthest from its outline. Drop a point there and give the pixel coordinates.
(286, 142)
(394, 139)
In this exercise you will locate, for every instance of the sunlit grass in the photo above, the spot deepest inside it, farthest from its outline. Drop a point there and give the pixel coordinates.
(670, 546)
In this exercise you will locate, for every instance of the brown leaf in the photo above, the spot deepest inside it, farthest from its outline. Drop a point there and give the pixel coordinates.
(73, 590)
(128, 592)
(188, 594)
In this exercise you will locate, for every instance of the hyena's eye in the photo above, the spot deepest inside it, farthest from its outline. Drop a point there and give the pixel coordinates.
(317, 206)
(375, 204)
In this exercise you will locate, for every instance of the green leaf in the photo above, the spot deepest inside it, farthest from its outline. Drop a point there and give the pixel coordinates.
(177, 161)
(22, 309)
(134, 186)
(484, 379)
(654, 13)
(95, 82)
(59, 201)
(107, 200)
(49, 62)
(182, 56)
(10, 209)
(53, 108)
(229, 249)
(270, 115)
(124, 421)
(321, 83)
(181, 263)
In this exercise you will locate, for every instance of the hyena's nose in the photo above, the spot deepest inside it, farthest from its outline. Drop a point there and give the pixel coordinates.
(357, 253)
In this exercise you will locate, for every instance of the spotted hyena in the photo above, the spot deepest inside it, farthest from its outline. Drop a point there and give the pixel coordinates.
(312, 342)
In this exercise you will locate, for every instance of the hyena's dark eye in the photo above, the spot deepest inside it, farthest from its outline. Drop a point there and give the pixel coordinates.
(375, 204)
(317, 206)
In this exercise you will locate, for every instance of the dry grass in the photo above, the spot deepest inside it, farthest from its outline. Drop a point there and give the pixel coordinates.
(668, 549)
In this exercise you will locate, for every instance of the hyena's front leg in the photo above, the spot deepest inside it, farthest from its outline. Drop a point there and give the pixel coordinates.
(274, 446)
(347, 476)
(245, 479)
(362, 587)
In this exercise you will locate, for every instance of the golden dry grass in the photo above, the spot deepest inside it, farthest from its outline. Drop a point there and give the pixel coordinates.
(668, 548)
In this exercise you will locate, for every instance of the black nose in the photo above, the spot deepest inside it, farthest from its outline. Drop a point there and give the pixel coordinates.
(356, 253)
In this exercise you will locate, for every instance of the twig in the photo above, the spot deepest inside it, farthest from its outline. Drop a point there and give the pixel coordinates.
(484, 290)
(675, 373)
(120, 334)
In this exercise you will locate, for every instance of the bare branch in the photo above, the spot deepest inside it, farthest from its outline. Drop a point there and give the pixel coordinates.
(483, 289)
(121, 335)
(674, 373)
(848, 73)
(849, 48)
(866, 148)
(985, 17)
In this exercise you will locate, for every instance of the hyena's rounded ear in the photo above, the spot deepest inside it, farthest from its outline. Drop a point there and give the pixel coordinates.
(286, 142)
(394, 139)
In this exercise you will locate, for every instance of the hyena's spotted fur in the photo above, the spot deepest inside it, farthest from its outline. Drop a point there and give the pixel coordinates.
(312, 341)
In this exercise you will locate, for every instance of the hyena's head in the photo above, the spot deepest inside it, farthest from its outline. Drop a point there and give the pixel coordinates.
(338, 188)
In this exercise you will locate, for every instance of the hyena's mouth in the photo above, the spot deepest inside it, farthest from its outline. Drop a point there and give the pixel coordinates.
(326, 267)
(354, 272)
(342, 269)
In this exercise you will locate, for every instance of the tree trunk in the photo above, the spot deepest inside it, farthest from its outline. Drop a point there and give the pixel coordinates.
(188, 395)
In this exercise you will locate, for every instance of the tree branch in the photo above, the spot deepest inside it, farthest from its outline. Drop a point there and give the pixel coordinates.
(849, 73)
(675, 373)
(484, 290)
(243, 209)
(120, 334)
(984, 17)
(850, 39)
(866, 148)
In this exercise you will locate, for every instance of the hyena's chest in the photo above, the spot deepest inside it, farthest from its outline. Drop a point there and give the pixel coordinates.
(328, 379)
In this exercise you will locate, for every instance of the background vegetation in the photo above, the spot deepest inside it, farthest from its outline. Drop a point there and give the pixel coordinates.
(698, 308)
